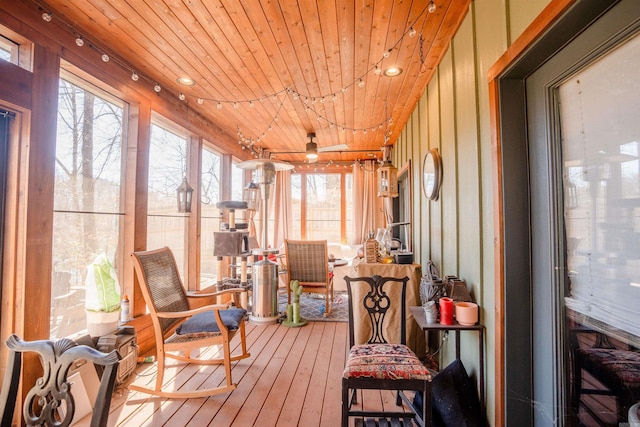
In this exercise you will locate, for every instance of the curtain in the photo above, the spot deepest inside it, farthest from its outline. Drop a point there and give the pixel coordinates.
(366, 205)
(281, 208)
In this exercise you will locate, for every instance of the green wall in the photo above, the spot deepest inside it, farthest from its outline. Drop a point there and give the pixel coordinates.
(456, 232)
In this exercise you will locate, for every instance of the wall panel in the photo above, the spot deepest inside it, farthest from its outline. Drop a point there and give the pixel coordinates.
(520, 14)
(448, 197)
(457, 231)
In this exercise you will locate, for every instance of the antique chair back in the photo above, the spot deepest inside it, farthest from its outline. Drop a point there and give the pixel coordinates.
(53, 392)
(378, 357)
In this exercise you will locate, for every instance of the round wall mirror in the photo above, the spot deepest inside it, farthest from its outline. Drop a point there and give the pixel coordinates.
(432, 174)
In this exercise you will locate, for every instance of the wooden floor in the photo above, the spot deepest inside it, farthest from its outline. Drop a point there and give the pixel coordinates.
(291, 379)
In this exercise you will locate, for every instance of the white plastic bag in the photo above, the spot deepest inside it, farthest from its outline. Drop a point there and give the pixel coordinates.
(101, 284)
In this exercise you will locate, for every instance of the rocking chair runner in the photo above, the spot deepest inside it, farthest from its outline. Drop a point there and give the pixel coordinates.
(181, 324)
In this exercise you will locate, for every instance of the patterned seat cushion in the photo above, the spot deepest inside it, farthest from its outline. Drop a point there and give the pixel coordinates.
(619, 365)
(384, 361)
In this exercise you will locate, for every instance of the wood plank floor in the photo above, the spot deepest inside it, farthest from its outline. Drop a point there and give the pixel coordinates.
(293, 378)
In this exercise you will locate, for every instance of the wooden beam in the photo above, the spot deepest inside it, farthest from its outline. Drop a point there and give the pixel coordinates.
(17, 85)
(33, 304)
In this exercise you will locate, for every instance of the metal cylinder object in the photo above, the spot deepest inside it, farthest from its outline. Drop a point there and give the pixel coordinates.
(265, 289)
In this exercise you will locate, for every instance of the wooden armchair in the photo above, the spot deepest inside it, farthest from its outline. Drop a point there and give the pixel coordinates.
(307, 262)
(181, 324)
(50, 401)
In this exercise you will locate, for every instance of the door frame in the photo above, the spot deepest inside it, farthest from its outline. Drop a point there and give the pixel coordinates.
(559, 23)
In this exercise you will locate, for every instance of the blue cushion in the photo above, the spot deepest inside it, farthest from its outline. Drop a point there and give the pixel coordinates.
(206, 321)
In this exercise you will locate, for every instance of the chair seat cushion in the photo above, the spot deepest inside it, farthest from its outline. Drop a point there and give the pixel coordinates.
(206, 322)
(384, 361)
(621, 366)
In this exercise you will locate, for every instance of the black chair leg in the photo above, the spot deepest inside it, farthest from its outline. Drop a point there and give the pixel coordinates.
(346, 403)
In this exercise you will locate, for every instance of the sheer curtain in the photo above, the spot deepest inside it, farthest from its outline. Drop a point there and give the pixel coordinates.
(366, 204)
(281, 208)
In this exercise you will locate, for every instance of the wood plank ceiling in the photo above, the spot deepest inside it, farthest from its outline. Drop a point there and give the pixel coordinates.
(269, 72)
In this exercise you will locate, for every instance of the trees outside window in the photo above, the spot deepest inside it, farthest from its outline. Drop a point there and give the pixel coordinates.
(210, 214)
(167, 167)
(88, 212)
(317, 206)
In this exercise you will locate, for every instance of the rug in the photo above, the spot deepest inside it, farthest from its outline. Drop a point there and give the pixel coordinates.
(312, 307)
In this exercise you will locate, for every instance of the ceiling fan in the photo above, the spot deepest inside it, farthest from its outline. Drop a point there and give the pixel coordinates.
(312, 149)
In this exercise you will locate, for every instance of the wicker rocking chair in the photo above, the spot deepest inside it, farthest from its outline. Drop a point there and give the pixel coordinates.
(181, 324)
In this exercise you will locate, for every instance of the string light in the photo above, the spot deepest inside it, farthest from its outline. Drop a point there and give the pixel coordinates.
(295, 95)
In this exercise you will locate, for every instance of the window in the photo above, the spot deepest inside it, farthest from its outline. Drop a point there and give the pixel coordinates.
(167, 168)
(323, 207)
(210, 215)
(601, 191)
(236, 182)
(348, 203)
(296, 202)
(317, 206)
(8, 49)
(88, 213)
(15, 49)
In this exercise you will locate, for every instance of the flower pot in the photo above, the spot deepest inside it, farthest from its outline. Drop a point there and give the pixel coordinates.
(467, 313)
(100, 323)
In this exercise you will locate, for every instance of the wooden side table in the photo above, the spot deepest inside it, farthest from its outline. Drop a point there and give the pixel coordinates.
(418, 314)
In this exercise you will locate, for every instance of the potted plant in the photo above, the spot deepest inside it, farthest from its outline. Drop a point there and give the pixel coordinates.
(102, 303)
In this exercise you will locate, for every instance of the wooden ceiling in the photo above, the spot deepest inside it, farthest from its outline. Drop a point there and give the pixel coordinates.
(269, 72)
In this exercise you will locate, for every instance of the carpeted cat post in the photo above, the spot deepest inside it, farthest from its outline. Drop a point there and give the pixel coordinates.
(293, 310)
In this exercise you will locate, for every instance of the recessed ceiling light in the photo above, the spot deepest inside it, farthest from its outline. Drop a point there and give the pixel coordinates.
(186, 81)
(393, 71)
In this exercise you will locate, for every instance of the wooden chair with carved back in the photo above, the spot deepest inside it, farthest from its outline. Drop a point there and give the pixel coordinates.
(382, 360)
(50, 402)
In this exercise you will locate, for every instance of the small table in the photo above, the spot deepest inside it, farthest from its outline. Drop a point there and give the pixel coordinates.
(338, 262)
(421, 320)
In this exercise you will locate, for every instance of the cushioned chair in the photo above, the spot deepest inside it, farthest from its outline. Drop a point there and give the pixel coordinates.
(53, 391)
(181, 324)
(618, 370)
(307, 261)
(383, 362)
